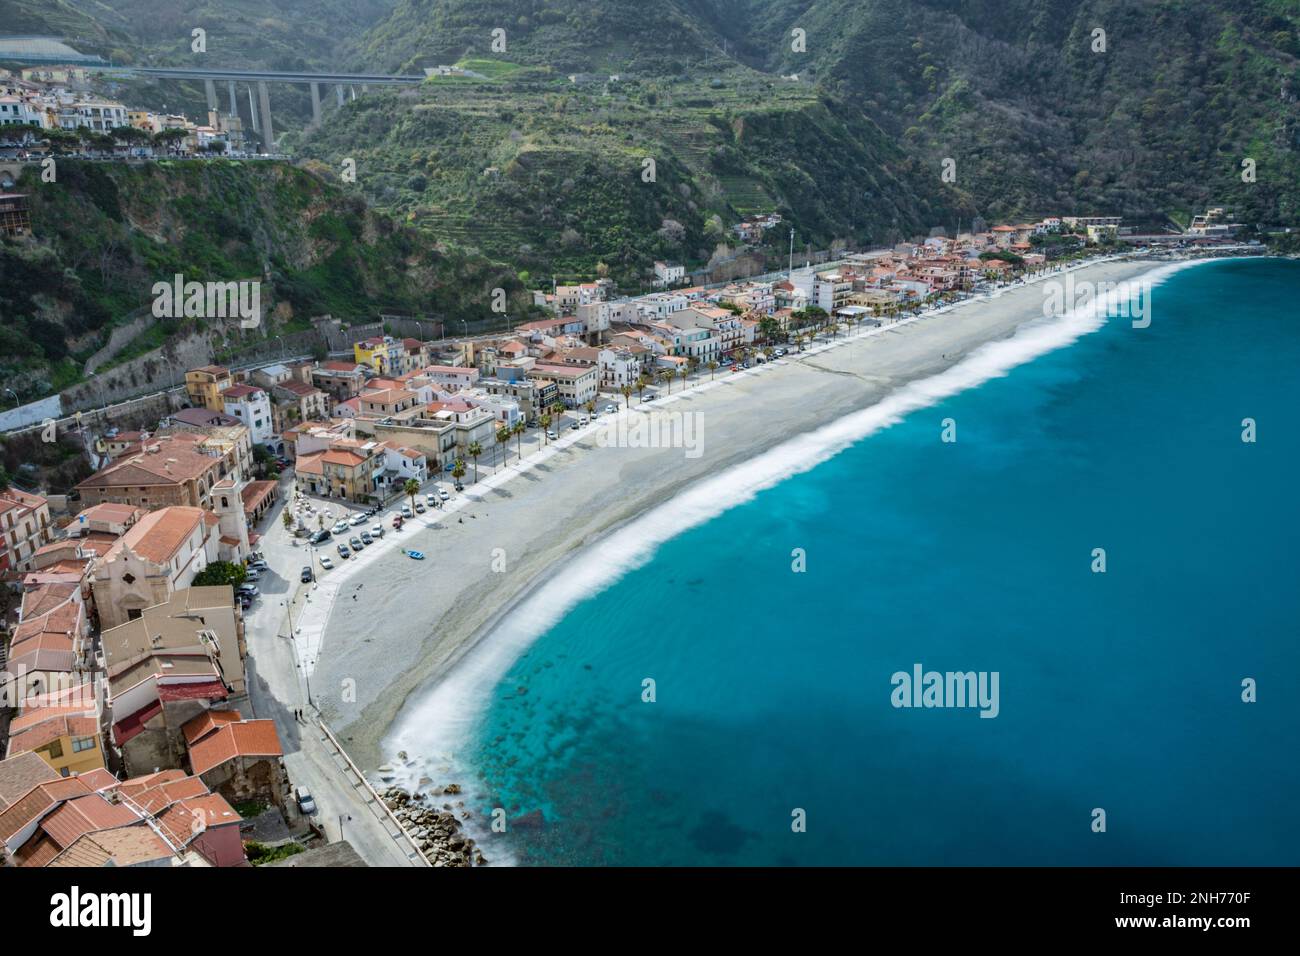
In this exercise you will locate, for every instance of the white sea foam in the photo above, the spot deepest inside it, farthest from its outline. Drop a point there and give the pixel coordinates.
(433, 726)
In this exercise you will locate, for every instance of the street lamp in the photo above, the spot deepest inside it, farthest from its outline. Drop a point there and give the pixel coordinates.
(288, 607)
(14, 394)
(281, 340)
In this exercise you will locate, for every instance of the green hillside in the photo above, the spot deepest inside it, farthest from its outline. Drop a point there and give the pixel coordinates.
(104, 234)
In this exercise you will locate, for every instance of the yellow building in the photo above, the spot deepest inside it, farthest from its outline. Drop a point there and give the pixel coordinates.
(66, 738)
(204, 386)
(382, 353)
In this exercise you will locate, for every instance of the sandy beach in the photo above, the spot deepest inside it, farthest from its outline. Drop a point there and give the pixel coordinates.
(384, 627)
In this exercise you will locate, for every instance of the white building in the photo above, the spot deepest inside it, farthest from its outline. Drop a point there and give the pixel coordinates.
(669, 273)
(252, 406)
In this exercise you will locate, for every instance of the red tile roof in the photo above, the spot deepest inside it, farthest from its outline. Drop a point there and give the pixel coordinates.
(248, 738)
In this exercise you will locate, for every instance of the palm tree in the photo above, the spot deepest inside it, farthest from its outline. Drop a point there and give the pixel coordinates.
(503, 436)
(518, 431)
(411, 489)
(666, 376)
(713, 367)
(557, 411)
(591, 406)
(475, 449)
(546, 425)
(458, 470)
(627, 394)
(682, 373)
(641, 384)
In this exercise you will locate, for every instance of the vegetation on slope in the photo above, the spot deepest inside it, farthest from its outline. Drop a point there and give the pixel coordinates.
(104, 234)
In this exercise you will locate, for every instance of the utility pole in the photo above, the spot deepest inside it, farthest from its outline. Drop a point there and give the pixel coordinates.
(791, 268)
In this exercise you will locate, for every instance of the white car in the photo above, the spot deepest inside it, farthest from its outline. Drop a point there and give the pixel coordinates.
(442, 493)
(550, 433)
(341, 527)
(377, 531)
(610, 409)
(431, 499)
(325, 562)
(357, 519)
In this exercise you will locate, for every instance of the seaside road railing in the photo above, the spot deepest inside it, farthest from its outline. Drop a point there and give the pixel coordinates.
(386, 817)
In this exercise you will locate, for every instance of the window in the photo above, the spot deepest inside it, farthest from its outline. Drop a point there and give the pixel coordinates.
(82, 744)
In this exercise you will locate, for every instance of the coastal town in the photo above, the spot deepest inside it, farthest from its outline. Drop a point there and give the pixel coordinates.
(56, 110)
(143, 596)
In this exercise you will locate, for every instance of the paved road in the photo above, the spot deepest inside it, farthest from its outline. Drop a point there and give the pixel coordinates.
(277, 687)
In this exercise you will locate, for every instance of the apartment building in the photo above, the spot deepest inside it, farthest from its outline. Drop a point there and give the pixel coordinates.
(24, 528)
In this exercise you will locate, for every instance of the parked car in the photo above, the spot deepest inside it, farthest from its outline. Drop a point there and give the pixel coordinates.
(305, 802)
(326, 563)
(377, 531)
(344, 553)
(252, 574)
(442, 494)
(306, 575)
(610, 409)
(321, 536)
(533, 423)
(419, 506)
(258, 563)
(406, 512)
(341, 527)
(574, 427)
(459, 486)
(397, 522)
(355, 543)
(366, 538)
(358, 518)
(431, 498)
(245, 601)
(550, 433)
(249, 589)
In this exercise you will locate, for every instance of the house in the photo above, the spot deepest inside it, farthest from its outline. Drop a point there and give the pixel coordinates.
(67, 737)
(242, 760)
(165, 668)
(400, 465)
(252, 407)
(343, 470)
(24, 528)
(205, 385)
(575, 385)
(339, 380)
(169, 470)
(220, 435)
(294, 402)
(384, 354)
(668, 273)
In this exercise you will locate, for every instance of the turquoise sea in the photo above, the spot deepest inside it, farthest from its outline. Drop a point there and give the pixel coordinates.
(1120, 690)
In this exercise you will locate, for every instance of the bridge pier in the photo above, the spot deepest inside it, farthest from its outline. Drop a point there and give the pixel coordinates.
(353, 91)
(338, 91)
(268, 132)
(234, 108)
(210, 87)
(315, 104)
(252, 111)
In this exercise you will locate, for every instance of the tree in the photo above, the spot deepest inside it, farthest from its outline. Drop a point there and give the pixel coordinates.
(474, 450)
(458, 470)
(641, 384)
(503, 436)
(627, 394)
(591, 406)
(682, 373)
(518, 431)
(286, 518)
(411, 489)
(713, 367)
(666, 376)
(218, 573)
(546, 425)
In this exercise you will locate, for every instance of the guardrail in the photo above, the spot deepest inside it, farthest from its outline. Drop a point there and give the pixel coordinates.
(418, 858)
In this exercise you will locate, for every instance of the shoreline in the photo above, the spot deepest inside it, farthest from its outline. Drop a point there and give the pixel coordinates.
(589, 497)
